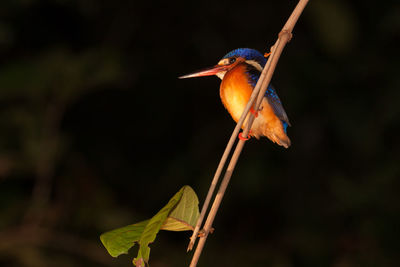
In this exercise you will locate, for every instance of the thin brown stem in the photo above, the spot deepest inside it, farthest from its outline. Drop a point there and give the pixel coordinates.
(222, 164)
(259, 92)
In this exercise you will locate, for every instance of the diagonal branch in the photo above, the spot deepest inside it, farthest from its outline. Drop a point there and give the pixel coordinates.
(258, 92)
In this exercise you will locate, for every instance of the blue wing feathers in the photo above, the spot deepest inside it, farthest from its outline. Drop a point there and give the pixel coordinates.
(272, 97)
(275, 102)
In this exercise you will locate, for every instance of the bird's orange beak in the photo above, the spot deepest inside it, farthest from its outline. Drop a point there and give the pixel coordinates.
(206, 72)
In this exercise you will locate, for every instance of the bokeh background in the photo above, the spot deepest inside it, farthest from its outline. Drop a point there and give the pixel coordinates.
(97, 132)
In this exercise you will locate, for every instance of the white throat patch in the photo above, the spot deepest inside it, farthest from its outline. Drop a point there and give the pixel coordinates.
(221, 74)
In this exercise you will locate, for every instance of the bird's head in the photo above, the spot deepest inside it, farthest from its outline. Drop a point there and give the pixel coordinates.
(229, 61)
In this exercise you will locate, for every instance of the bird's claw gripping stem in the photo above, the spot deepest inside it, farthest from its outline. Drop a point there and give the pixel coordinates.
(255, 113)
(243, 138)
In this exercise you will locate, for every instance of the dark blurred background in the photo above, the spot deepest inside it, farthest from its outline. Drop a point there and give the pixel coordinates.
(97, 132)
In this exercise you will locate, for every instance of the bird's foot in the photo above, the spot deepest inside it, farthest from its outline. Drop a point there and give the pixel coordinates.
(244, 138)
(267, 54)
(255, 113)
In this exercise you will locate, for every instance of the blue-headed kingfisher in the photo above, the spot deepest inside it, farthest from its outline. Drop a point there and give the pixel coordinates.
(239, 71)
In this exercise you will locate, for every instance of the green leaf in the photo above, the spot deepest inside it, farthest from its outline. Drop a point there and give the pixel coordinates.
(184, 216)
(120, 240)
(180, 214)
(154, 225)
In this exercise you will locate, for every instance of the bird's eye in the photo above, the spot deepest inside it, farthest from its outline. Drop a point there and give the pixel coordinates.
(232, 60)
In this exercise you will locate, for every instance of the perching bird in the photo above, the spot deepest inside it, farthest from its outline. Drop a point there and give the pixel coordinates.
(239, 71)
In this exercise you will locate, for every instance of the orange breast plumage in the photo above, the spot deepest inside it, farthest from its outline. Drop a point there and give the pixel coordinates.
(235, 91)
